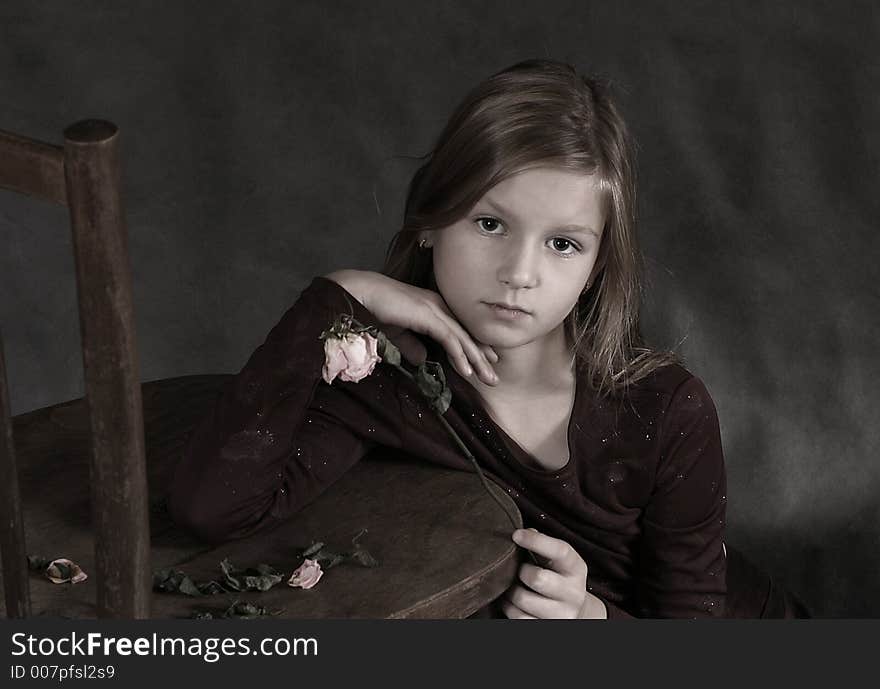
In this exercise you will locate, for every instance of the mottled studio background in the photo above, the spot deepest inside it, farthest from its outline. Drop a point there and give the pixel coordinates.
(267, 142)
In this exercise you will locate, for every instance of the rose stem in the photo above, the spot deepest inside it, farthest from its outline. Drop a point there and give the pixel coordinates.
(473, 462)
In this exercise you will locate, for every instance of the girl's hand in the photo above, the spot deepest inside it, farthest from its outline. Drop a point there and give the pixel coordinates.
(420, 310)
(556, 591)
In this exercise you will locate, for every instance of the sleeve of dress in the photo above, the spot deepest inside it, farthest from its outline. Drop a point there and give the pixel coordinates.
(278, 435)
(615, 613)
(682, 562)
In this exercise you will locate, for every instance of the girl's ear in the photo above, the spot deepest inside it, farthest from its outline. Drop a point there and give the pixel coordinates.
(594, 274)
(426, 239)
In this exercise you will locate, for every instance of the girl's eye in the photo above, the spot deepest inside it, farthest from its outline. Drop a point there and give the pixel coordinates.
(488, 224)
(564, 246)
(561, 245)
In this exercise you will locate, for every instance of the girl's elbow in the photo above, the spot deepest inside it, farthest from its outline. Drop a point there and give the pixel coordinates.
(216, 518)
(199, 517)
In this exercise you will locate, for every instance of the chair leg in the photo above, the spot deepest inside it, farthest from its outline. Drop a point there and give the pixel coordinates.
(110, 359)
(12, 546)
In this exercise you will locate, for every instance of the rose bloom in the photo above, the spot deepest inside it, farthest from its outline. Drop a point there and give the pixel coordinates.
(352, 357)
(306, 575)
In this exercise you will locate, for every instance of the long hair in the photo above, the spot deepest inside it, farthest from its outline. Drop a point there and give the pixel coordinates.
(542, 113)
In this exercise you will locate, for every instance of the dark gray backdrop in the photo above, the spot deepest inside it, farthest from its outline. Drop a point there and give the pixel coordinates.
(267, 142)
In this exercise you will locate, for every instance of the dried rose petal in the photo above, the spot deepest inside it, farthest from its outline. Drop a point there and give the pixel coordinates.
(74, 575)
(352, 357)
(306, 575)
(334, 359)
(361, 352)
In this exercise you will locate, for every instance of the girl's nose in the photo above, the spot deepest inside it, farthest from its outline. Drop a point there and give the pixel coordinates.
(519, 269)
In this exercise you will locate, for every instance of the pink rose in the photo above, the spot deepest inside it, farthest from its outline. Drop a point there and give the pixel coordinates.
(352, 357)
(306, 575)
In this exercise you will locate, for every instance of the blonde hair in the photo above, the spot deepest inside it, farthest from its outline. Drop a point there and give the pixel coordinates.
(542, 112)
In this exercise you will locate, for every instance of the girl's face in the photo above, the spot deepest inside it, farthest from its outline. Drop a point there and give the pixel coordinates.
(530, 242)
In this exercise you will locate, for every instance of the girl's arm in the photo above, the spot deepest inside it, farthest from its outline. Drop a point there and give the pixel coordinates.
(243, 487)
(278, 435)
(422, 311)
(682, 563)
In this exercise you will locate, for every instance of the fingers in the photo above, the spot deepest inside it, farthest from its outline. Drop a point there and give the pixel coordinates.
(481, 354)
(557, 591)
(536, 606)
(560, 556)
(478, 357)
(444, 332)
(568, 592)
(489, 353)
(463, 352)
(544, 581)
(423, 311)
(514, 613)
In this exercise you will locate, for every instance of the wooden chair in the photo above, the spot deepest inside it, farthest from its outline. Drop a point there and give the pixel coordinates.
(84, 175)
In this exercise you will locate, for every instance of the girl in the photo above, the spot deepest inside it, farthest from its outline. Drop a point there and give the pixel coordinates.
(516, 264)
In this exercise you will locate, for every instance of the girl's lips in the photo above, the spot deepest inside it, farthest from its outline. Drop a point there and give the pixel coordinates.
(505, 313)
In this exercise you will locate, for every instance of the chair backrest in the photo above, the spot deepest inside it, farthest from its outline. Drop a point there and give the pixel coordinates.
(84, 175)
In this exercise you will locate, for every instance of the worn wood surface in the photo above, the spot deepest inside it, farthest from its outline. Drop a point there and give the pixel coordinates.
(35, 168)
(12, 544)
(32, 167)
(85, 176)
(443, 544)
(111, 368)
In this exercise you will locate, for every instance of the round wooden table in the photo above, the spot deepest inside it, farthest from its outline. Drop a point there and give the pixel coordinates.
(443, 544)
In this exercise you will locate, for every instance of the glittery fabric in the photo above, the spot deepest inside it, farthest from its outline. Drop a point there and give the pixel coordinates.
(642, 497)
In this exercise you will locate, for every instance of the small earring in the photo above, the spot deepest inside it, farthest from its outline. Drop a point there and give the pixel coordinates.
(423, 244)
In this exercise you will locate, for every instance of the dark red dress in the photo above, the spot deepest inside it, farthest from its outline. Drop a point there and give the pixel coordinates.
(642, 498)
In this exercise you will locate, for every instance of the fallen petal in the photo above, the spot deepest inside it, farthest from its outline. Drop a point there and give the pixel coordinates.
(62, 570)
(306, 575)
